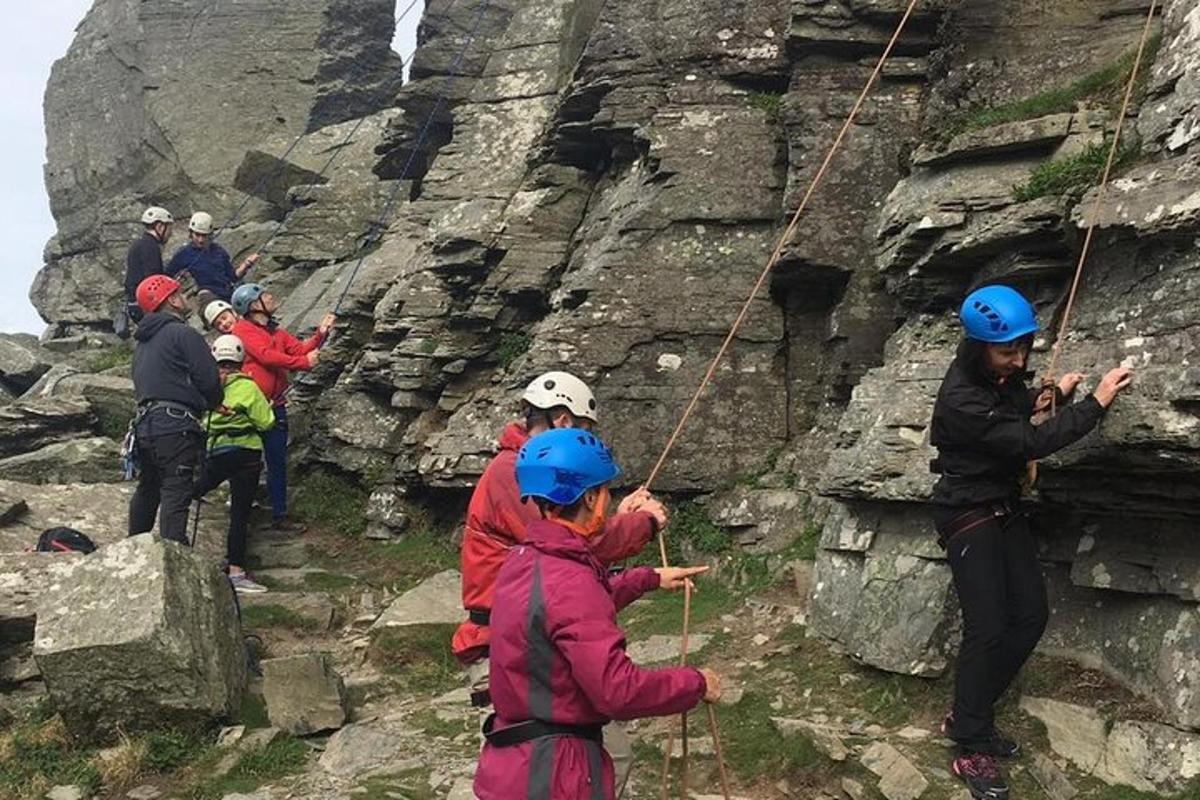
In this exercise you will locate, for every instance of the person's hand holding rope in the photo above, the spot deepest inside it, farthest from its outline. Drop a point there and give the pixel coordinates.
(673, 578)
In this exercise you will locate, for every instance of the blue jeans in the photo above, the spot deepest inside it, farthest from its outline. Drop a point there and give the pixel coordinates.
(275, 442)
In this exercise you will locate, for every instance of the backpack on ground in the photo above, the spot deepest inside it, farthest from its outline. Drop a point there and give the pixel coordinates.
(64, 540)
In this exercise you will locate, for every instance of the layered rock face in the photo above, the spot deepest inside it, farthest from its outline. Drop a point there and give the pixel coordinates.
(164, 104)
(595, 186)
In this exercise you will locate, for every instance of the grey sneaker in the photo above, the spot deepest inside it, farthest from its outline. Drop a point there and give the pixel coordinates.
(242, 583)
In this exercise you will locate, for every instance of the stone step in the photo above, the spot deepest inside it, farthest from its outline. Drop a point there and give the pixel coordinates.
(313, 607)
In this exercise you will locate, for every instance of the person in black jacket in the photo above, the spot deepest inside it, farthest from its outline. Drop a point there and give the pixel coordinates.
(145, 255)
(175, 381)
(983, 430)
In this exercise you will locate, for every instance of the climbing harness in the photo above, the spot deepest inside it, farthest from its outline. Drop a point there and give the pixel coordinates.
(784, 240)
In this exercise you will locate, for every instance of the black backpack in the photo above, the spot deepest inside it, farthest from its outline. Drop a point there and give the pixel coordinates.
(64, 540)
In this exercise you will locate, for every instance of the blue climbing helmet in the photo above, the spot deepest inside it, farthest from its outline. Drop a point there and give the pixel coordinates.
(561, 464)
(244, 295)
(997, 314)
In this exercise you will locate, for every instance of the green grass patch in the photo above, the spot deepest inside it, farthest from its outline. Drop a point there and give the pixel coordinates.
(662, 612)
(809, 543)
(111, 423)
(283, 757)
(1104, 87)
(273, 616)
(168, 750)
(119, 356)
(433, 725)
(253, 713)
(398, 565)
(416, 556)
(418, 656)
(36, 755)
(328, 581)
(332, 501)
(412, 784)
(770, 103)
(1072, 175)
(754, 748)
(429, 346)
(512, 346)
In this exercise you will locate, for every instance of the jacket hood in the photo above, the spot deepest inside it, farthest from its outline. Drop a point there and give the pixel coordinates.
(514, 437)
(152, 323)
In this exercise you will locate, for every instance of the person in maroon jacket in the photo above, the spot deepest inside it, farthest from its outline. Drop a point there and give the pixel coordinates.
(559, 670)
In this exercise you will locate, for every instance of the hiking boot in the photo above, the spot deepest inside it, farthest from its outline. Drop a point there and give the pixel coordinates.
(981, 775)
(242, 583)
(285, 527)
(993, 744)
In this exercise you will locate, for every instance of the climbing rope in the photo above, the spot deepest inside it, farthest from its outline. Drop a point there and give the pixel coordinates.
(784, 240)
(1101, 192)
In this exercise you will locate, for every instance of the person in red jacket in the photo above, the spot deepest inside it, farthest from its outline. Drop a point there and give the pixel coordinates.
(497, 519)
(559, 667)
(271, 353)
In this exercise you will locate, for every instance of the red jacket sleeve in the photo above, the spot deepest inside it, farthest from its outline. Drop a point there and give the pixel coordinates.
(623, 537)
(632, 584)
(260, 348)
(296, 347)
(584, 630)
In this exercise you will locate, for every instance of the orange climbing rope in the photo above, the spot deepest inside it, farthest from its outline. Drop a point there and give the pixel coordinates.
(1101, 192)
(786, 238)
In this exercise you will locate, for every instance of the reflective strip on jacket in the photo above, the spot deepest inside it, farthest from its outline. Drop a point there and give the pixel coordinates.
(558, 655)
(496, 521)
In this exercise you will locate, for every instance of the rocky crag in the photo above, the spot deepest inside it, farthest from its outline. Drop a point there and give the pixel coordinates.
(596, 184)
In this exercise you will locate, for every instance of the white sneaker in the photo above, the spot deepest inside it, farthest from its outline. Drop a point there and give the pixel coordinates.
(242, 583)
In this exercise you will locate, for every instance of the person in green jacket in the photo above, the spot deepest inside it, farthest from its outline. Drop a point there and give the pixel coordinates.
(235, 451)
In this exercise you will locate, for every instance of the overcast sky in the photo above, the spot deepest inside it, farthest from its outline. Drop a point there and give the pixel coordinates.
(44, 31)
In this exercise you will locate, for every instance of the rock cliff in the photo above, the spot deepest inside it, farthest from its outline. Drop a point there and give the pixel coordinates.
(596, 185)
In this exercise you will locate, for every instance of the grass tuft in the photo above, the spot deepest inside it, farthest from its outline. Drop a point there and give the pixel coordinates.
(119, 356)
(419, 656)
(333, 501)
(1104, 87)
(1072, 175)
(273, 616)
(512, 346)
(770, 103)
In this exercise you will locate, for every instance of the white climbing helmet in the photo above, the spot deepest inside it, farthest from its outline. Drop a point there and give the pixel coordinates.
(561, 389)
(201, 222)
(155, 214)
(228, 348)
(215, 309)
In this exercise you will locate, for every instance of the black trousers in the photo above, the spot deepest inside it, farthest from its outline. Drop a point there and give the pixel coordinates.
(241, 467)
(169, 463)
(1002, 594)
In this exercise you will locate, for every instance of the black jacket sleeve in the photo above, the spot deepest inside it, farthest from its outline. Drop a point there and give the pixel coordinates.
(969, 415)
(143, 260)
(202, 368)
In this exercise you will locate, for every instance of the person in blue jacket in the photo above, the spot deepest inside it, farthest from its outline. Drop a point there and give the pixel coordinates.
(207, 262)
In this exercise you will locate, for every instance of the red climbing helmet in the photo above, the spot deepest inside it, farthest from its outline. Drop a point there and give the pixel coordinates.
(154, 291)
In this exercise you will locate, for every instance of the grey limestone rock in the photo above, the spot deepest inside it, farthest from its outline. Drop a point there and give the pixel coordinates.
(304, 694)
(177, 658)
(435, 600)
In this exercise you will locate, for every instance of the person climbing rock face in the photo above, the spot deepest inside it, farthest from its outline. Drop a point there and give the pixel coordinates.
(983, 430)
(207, 262)
(559, 667)
(497, 520)
(271, 353)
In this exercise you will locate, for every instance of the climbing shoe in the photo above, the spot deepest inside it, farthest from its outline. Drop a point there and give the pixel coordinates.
(981, 775)
(993, 744)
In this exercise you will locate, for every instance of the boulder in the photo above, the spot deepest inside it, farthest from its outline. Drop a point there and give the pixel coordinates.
(176, 659)
(111, 396)
(27, 425)
(25, 578)
(761, 520)
(369, 748)
(94, 459)
(22, 362)
(435, 600)
(660, 648)
(304, 694)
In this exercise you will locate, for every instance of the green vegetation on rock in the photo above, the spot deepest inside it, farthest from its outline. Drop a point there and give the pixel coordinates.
(1074, 174)
(418, 656)
(333, 501)
(512, 346)
(770, 103)
(274, 616)
(1103, 88)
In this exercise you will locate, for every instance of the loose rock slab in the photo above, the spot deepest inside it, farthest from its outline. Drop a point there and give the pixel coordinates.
(436, 600)
(304, 694)
(144, 635)
(898, 778)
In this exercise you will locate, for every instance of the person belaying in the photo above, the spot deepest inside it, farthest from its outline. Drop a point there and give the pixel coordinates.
(175, 380)
(220, 316)
(235, 447)
(144, 257)
(208, 262)
(497, 519)
(271, 353)
(985, 437)
(559, 667)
